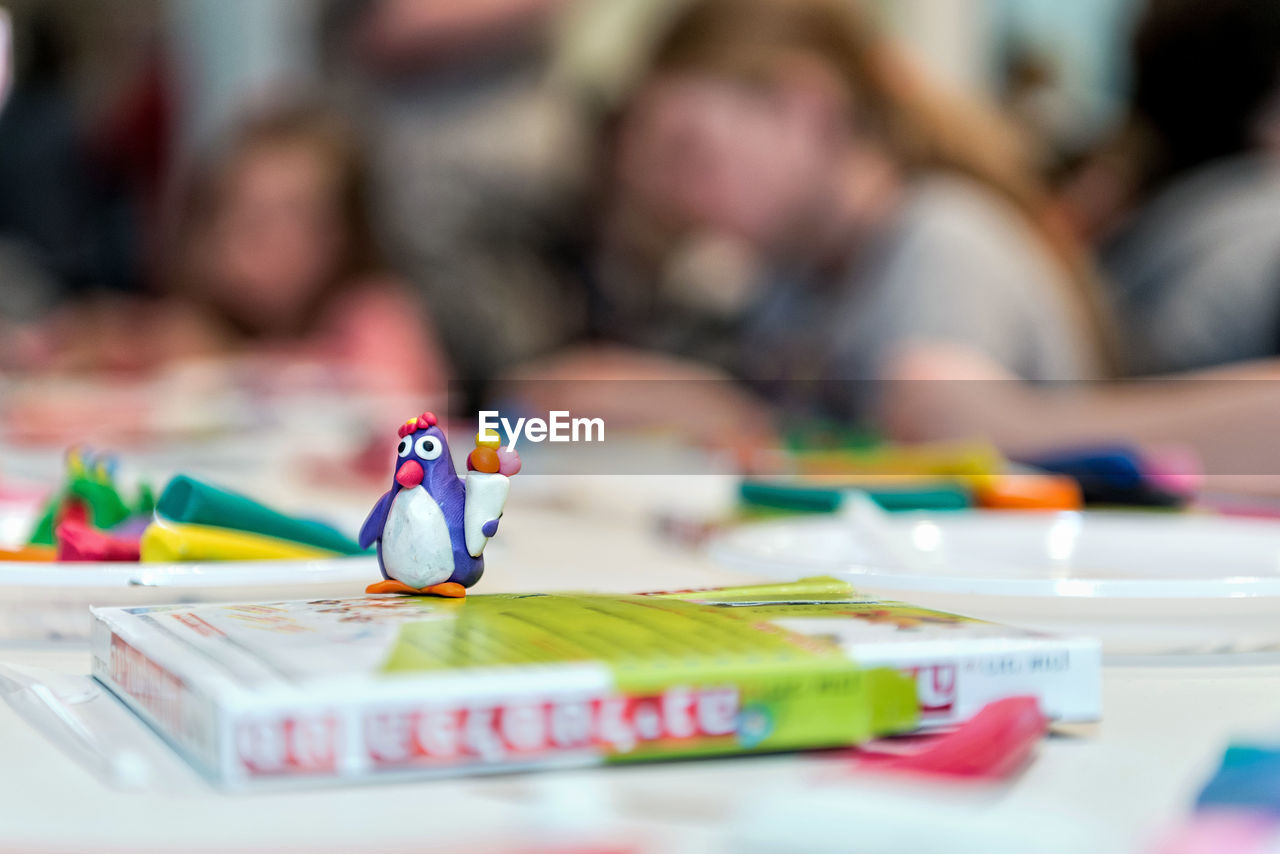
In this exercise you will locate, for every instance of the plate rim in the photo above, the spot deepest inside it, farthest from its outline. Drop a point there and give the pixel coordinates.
(885, 578)
(191, 576)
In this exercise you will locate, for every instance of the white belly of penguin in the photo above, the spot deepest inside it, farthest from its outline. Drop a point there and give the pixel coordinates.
(415, 542)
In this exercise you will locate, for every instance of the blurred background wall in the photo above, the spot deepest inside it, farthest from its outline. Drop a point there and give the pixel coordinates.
(226, 51)
(222, 53)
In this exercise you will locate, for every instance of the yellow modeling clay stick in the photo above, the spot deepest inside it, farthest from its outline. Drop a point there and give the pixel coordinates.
(974, 463)
(165, 541)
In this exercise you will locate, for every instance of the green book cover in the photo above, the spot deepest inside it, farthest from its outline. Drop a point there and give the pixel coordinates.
(742, 685)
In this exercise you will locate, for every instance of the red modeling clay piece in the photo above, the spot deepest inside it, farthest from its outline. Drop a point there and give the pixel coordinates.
(78, 542)
(992, 745)
(73, 510)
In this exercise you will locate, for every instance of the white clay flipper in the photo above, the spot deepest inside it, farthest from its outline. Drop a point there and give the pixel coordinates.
(486, 496)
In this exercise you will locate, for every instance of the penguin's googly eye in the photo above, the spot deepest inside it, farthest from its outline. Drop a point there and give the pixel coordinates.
(403, 450)
(428, 447)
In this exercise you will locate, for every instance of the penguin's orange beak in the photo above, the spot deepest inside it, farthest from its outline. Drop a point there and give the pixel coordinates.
(409, 475)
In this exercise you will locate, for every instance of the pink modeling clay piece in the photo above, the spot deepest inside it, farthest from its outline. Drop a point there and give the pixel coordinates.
(1221, 832)
(508, 462)
(992, 745)
(1174, 469)
(77, 542)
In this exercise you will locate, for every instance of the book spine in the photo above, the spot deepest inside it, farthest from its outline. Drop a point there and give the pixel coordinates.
(546, 717)
(160, 696)
(484, 727)
(469, 723)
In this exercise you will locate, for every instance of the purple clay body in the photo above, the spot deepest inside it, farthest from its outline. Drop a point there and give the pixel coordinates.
(419, 524)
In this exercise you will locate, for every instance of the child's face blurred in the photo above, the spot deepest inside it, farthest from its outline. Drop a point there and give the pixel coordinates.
(704, 152)
(277, 237)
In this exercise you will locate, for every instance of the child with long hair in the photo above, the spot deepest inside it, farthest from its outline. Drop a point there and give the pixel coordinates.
(270, 257)
(274, 249)
(914, 273)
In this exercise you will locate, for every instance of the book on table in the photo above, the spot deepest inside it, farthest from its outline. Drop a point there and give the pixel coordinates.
(387, 687)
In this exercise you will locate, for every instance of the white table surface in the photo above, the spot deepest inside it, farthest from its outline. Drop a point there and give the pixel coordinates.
(1127, 778)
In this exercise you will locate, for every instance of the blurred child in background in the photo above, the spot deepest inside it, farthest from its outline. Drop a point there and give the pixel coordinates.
(884, 218)
(912, 270)
(270, 257)
(889, 216)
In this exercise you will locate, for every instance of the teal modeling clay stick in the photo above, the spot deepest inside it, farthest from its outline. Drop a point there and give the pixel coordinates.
(188, 500)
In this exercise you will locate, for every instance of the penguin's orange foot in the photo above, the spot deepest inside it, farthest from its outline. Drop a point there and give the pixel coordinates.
(390, 586)
(450, 590)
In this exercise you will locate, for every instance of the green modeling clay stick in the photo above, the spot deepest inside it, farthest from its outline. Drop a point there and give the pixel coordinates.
(188, 500)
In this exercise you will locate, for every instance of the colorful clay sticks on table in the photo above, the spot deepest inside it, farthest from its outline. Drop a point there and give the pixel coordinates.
(90, 519)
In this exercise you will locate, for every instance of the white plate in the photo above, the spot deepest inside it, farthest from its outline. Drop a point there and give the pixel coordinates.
(188, 576)
(1143, 582)
(44, 601)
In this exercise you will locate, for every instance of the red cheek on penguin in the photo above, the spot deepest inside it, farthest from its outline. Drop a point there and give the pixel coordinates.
(410, 474)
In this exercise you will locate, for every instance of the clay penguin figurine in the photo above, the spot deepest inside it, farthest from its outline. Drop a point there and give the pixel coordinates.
(432, 526)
